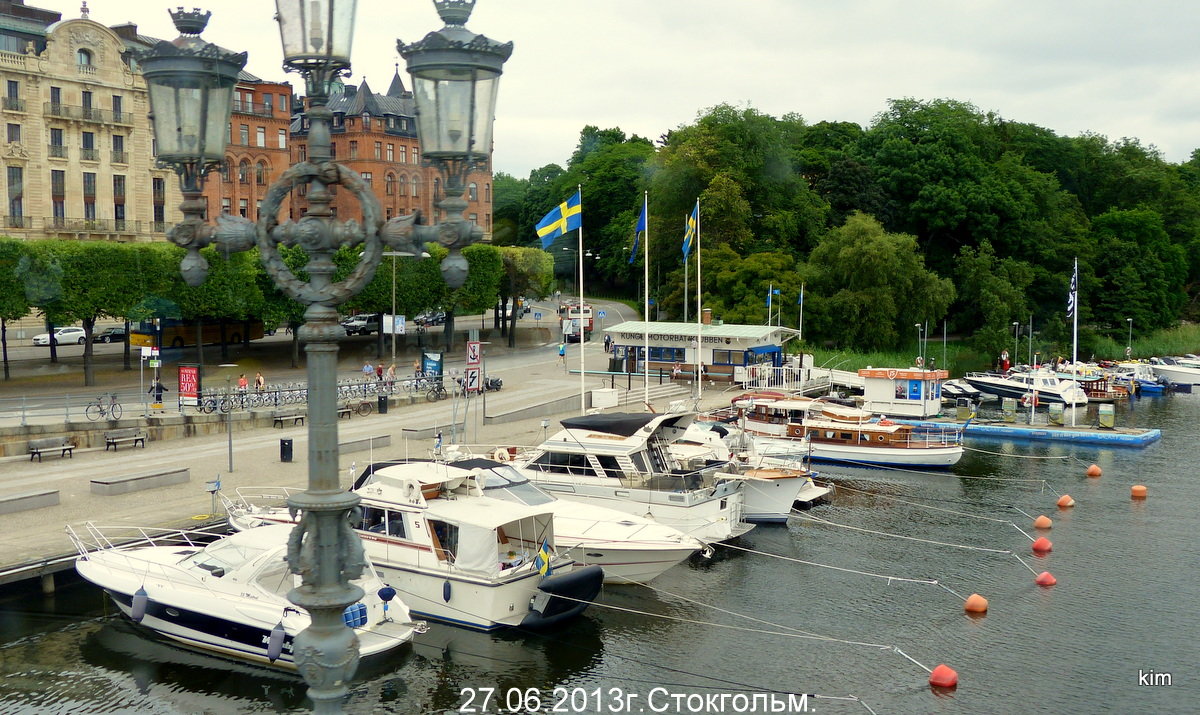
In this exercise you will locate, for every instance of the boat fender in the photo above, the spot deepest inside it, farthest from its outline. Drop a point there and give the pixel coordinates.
(446, 591)
(501, 455)
(275, 642)
(140, 599)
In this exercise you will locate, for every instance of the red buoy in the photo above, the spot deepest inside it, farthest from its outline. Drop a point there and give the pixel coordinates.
(943, 676)
(1094, 471)
(1138, 491)
(975, 604)
(1042, 545)
(1042, 522)
(1065, 502)
(1045, 579)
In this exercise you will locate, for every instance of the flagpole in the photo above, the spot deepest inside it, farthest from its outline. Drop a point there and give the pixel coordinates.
(582, 327)
(801, 322)
(699, 315)
(686, 298)
(646, 296)
(1075, 332)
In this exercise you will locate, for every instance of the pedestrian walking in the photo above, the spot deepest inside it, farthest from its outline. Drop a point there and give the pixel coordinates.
(367, 369)
(562, 353)
(416, 368)
(379, 372)
(157, 389)
(260, 382)
(391, 375)
(242, 383)
(607, 343)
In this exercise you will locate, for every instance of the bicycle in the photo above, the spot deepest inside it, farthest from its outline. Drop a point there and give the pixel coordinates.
(365, 408)
(101, 409)
(436, 392)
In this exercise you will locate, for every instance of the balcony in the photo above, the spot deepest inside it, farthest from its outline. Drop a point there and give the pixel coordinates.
(158, 227)
(56, 151)
(87, 114)
(18, 222)
(258, 110)
(120, 157)
(61, 224)
(89, 154)
(14, 104)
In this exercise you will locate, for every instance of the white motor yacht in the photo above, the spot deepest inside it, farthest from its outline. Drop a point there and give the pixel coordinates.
(1180, 370)
(1042, 383)
(229, 595)
(454, 554)
(622, 461)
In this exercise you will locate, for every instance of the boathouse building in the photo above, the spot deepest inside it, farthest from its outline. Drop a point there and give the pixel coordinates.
(725, 349)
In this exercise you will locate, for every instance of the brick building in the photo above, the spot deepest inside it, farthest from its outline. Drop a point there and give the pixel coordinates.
(376, 135)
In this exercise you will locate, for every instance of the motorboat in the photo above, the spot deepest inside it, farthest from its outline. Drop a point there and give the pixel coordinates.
(771, 491)
(622, 461)
(227, 595)
(952, 390)
(1179, 370)
(630, 548)
(1041, 384)
(1138, 376)
(788, 431)
(455, 554)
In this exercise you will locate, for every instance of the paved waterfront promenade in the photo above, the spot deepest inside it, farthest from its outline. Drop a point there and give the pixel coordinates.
(532, 376)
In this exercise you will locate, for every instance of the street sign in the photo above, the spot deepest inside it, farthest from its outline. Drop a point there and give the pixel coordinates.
(154, 363)
(472, 352)
(601, 314)
(472, 379)
(537, 316)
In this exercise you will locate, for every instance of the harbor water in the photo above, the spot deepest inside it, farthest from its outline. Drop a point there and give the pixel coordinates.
(1118, 633)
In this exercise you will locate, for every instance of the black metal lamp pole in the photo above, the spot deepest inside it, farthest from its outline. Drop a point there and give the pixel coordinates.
(191, 84)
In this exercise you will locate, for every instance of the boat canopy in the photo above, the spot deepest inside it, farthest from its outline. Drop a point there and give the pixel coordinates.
(488, 527)
(626, 424)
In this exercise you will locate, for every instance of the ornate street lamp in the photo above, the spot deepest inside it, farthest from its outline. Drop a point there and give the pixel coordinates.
(455, 136)
(456, 75)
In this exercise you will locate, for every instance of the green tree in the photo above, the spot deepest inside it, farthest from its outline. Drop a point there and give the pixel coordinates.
(14, 304)
(992, 296)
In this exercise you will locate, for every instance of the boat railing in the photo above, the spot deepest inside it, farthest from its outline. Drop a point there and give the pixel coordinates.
(105, 538)
(930, 436)
(250, 497)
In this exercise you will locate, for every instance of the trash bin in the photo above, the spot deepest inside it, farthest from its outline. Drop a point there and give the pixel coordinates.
(383, 404)
(285, 450)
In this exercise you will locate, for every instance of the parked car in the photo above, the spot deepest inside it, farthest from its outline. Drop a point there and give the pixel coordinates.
(110, 335)
(62, 336)
(361, 325)
(430, 317)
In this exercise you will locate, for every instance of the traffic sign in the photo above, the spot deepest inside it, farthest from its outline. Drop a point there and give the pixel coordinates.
(154, 363)
(472, 352)
(472, 379)
(537, 316)
(601, 314)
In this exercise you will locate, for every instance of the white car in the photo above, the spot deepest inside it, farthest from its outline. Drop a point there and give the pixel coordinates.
(62, 336)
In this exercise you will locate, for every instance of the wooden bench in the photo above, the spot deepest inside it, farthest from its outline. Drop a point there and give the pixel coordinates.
(280, 417)
(133, 435)
(109, 486)
(28, 500)
(345, 411)
(49, 444)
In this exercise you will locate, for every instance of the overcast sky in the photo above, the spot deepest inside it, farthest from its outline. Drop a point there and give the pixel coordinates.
(1116, 68)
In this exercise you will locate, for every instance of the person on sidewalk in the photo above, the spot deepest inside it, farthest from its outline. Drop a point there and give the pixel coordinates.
(367, 369)
(157, 389)
(379, 372)
(260, 382)
(562, 353)
(391, 375)
(242, 383)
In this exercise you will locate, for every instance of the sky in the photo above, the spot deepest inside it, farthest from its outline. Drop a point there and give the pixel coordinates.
(1115, 68)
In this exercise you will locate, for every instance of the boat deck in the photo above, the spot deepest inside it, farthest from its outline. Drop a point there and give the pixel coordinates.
(1084, 434)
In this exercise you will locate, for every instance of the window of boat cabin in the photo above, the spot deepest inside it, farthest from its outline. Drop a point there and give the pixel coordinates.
(383, 521)
(276, 578)
(445, 539)
(564, 463)
(610, 465)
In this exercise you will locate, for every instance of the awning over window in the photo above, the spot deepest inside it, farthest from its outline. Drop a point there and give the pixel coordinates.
(764, 349)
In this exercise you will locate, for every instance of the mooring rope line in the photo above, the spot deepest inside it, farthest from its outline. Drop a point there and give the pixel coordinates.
(931, 582)
(1021, 456)
(927, 506)
(907, 538)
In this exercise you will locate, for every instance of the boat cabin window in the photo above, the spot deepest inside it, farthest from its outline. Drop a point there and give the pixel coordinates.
(564, 463)
(445, 539)
(383, 521)
(275, 578)
(510, 485)
(610, 465)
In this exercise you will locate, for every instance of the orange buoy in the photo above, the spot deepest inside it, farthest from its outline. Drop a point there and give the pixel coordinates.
(1138, 491)
(1042, 545)
(943, 676)
(1042, 522)
(975, 604)
(1065, 502)
(1094, 471)
(1045, 579)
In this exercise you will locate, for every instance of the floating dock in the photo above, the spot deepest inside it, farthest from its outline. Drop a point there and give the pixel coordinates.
(1084, 434)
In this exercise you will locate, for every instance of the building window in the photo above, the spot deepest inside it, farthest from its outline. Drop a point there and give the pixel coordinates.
(260, 174)
(403, 186)
(487, 193)
(260, 136)
(118, 107)
(416, 155)
(366, 177)
(366, 121)
(244, 172)
(86, 97)
(416, 186)
(391, 152)
(118, 149)
(668, 354)
(16, 192)
(14, 133)
(118, 188)
(353, 150)
(89, 151)
(14, 89)
(437, 188)
(56, 144)
(389, 184)
(283, 139)
(83, 57)
(56, 96)
(89, 184)
(728, 357)
(244, 133)
(403, 154)
(378, 150)
(226, 205)
(258, 209)
(224, 169)
(472, 192)
(58, 183)
(243, 206)
(160, 197)
(301, 151)
(268, 103)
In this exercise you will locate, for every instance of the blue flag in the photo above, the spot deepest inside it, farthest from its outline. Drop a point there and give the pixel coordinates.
(771, 292)
(542, 561)
(638, 231)
(689, 234)
(567, 216)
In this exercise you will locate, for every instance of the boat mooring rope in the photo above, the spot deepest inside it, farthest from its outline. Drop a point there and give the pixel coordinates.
(1020, 456)
(930, 582)
(900, 536)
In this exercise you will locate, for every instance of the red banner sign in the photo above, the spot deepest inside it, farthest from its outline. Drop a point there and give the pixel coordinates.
(189, 381)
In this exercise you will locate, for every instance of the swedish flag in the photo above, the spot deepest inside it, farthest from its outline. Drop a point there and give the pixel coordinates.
(542, 561)
(689, 235)
(567, 216)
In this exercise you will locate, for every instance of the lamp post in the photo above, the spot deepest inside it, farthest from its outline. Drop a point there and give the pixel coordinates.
(229, 412)
(1129, 342)
(191, 84)
(1016, 337)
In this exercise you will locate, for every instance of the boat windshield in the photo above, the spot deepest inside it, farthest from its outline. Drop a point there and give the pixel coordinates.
(510, 485)
(225, 555)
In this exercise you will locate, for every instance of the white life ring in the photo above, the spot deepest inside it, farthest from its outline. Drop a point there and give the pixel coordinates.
(1029, 401)
(501, 455)
(920, 361)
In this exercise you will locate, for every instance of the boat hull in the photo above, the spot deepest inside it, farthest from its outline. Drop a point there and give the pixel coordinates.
(1017, 392)
(791, 452)
(622, 565)
(1178, 373)
(769, 500)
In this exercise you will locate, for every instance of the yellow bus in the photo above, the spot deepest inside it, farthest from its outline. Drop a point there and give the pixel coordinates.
(178, 333)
